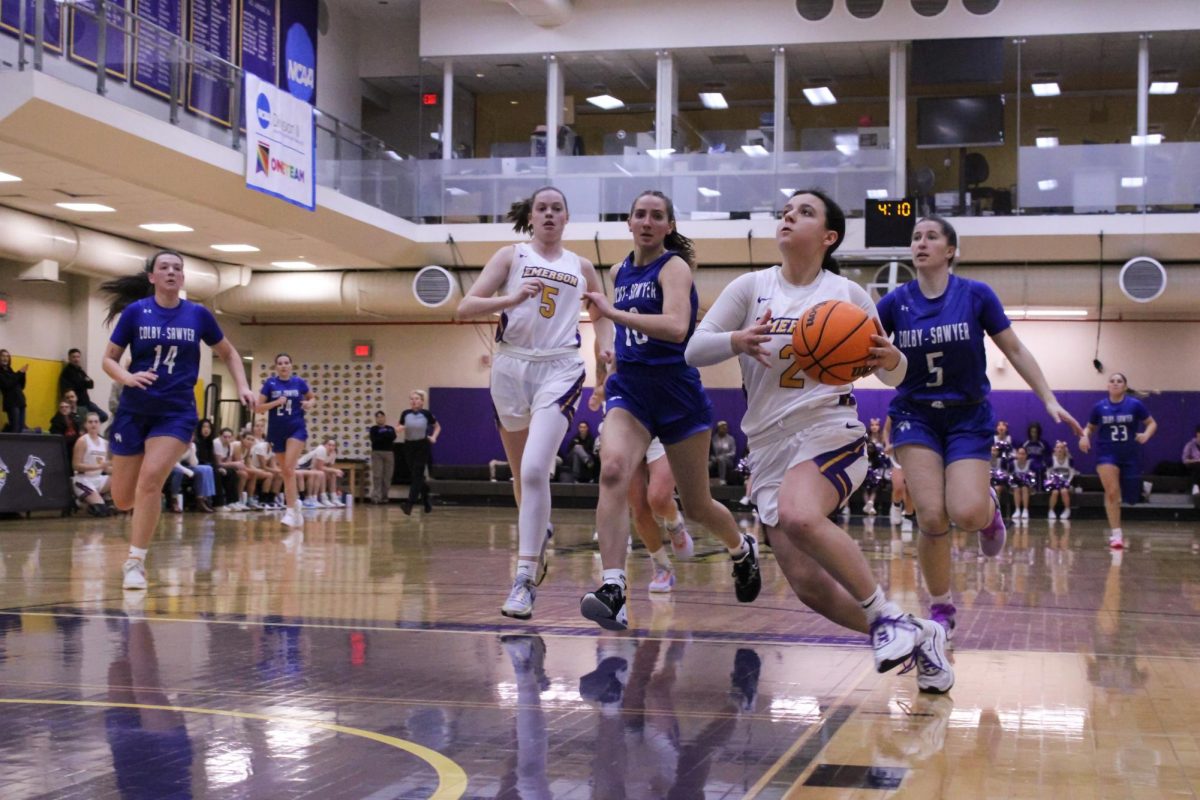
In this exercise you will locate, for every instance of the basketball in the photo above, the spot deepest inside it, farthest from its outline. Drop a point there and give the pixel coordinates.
(832, 342)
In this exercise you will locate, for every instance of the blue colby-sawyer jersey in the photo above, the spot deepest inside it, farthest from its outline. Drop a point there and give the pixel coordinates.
(289, 415)
(1116, 426)
(942, 338)
(638, 289)
(165, 341)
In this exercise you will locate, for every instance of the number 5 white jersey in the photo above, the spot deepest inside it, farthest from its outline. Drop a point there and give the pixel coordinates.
(777, 394)
(547, 324)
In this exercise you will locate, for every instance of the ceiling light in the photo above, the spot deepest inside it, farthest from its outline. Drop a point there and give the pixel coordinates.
(1164, 87)
(1148, 139)
(820, 96)
(877, 194)
(1047, 141)
(435, 135)
(513, 102)
(714, 100)
(755, 150)
(478, 74)
(6, 178)
(293, 265)
(1049, 89)
(393, 155)
(606, 102)
(660, 153)
(454, 191)
(1046, 186)
(1132, 183)
(787, 192)
(96, 207)
(1056, 312)
(846, 143)
(166, 227)
(235, 248)
(707, 192)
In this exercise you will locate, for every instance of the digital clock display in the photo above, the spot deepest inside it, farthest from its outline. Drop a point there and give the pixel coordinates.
(889, 223)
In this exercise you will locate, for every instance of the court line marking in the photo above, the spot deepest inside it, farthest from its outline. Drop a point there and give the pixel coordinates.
(452, 780)
(808, 733)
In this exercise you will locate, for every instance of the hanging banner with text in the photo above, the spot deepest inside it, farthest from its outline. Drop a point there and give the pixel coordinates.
(281, 158)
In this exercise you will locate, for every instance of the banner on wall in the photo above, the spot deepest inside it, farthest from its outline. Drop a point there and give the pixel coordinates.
(210, 80)
(281, 159)
(153, 51)
(85, 36)
(10, 20)
(298, 44)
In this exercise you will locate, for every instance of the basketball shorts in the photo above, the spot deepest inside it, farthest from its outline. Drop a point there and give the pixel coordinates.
(668, 401)
(521, 387)
(279, 433)
(956, 433)
(86, 484)
(130, 430)
(1130, 473)
(834, 439)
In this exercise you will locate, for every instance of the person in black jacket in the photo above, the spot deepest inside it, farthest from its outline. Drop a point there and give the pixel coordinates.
(12, 386)
(383, 457)
(74, 378)
(421, 429)
(66, 423)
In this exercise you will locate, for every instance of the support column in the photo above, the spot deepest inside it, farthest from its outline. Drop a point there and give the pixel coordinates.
(554, 106)
(448, 110)
(780, 111)
(666, 101)
(898, 115)
(1143, 84)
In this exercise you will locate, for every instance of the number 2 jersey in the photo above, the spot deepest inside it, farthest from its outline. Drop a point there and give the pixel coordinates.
(546, 325)
(777, 395)
(942, 337)
(165, 341)
(1117, 425)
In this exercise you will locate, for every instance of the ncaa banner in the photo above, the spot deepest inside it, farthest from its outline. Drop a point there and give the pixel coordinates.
(281, 158)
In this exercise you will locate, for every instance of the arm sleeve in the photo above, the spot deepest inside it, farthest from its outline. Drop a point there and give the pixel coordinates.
(991, 312)
(125, 328)
(210, 331)
(884, 309)
(432, 419)
(890, 377)
(712, 342)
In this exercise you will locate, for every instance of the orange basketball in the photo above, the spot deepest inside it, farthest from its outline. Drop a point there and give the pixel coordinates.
(832, 342)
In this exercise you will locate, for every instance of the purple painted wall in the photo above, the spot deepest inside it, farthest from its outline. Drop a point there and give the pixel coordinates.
(469, 432)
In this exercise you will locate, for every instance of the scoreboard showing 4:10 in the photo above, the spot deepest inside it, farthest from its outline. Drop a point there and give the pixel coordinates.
(889, 223)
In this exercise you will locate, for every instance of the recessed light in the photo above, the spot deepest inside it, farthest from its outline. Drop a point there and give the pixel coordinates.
(235, 248)
(1164, 87)
(606, 102)
(1047, 141)
(820, 96)
(166, 227)
(660, 153)
(513, 102)
(1148, 139)
(93, 207)
(435, 135)
(755, 150)
(454, 191)
(707, 192)
(393, 155)
(1047, 185)
(714, 100)
(293, 265)
(1133, 183)
(479, 75)
(6, 178)
(787, 192)
(1049, 89)
(877, 194)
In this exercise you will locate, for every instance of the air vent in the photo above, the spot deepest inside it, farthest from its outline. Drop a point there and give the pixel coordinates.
(432, 286)
(814, 10)
(864, 9)
(729, 59)
(1142, 279)
(929, 8)
(888, 277)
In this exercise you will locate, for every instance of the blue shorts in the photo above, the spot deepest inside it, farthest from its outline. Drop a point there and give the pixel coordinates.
(956, 433)
(1130, 471)
(278, 435)
(130, 430)
(668, 401)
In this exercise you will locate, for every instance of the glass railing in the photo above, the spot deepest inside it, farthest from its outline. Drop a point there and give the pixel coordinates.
(1110, 178)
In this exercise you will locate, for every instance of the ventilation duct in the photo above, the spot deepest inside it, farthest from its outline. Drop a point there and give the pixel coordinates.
(433, 286)
(1142, 279)
(544, 13)
(329, 296)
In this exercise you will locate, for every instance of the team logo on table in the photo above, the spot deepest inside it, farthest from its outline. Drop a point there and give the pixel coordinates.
(34, 467)
(3, 474)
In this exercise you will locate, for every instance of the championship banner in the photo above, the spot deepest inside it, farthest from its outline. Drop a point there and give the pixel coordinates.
(281, 158)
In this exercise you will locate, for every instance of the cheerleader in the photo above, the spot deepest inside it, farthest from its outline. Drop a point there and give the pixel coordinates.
(1022, 478)
(285, 397)
(1058, 480)
(156, 415)
(807, 443)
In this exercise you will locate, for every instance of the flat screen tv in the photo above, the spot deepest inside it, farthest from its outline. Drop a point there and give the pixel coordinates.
(960, 121)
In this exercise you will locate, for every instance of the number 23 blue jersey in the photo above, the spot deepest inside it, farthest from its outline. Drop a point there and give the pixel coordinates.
(1116, 426)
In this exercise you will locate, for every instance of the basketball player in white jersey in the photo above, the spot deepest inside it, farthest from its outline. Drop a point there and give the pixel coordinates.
(537, 372)
(806, 441)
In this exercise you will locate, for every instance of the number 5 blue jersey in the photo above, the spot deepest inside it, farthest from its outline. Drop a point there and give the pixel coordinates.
(638, 290)
(165, 341)
(942, 337)
(1116, 426)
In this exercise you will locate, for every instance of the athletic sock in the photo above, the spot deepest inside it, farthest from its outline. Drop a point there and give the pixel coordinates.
(616, 576)
(526, 569)
(137, 552)
(942, 599)
(876, 604)
(661, 558)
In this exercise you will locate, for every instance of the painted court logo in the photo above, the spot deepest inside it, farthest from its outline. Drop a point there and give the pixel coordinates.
(34, 467)
(263, 164)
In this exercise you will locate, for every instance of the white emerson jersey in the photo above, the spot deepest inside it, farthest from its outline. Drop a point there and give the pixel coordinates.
(776, 394)
(545, 326)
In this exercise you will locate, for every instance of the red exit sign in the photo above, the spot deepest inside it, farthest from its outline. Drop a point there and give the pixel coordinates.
(3, 306)
(362, 351)
(429, 99)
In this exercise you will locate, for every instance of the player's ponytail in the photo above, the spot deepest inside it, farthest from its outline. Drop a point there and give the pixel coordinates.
(520, 213)
(1140, 394)
(835, 220)
(131, 288)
